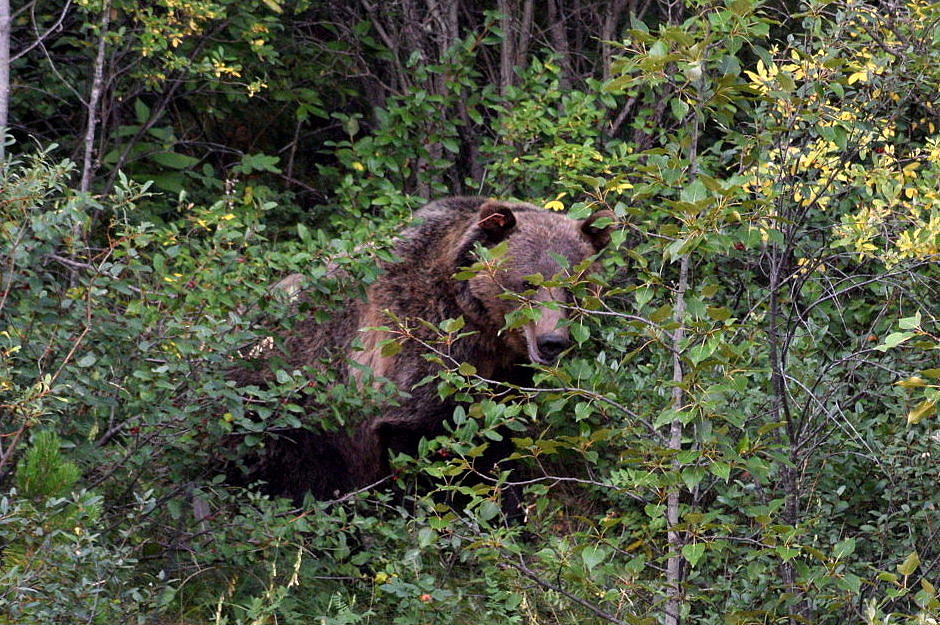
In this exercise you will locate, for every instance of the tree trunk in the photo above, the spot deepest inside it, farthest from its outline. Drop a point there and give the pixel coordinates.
(507, 53)
(674, 568)
(525, 34)
(789, 479)
(608, 32)
(94, 98)
(5, 25)
(559, 39)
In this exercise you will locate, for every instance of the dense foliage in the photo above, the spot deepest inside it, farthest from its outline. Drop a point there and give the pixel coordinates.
(746, 432)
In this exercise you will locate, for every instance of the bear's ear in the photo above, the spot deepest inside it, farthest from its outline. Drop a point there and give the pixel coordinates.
(496, 220)
(599, 233)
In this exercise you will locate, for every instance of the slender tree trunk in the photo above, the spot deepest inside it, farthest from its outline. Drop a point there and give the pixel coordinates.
(5, 25)
(673, 10)
(675, 568)
(608, 32)
(559, 38)
(780, 412)
(94, 98)
(525, 34)
(507, 53)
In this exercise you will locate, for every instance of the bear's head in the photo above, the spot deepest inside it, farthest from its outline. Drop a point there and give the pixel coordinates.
(536, 240)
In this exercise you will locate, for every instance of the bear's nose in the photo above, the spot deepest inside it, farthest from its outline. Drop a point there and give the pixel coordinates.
(550, 345)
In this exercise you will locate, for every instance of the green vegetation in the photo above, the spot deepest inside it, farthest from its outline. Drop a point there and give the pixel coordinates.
(746, 432)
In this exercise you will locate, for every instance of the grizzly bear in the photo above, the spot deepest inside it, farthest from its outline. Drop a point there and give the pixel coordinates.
(421, 284)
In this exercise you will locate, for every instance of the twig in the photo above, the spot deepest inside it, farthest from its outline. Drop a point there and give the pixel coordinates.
(525, 570)
(42, 37)
(302, 512)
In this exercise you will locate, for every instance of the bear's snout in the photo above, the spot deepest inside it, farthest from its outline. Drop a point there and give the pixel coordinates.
(552, 345)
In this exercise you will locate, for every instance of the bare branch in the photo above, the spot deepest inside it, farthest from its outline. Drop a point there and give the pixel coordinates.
(42, 37)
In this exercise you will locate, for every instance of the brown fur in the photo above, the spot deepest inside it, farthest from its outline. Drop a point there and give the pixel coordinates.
(421, 285)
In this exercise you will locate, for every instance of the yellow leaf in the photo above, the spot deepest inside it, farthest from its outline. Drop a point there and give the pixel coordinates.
(910, 564)
(555, 205)
(922, 410)
(858, 77)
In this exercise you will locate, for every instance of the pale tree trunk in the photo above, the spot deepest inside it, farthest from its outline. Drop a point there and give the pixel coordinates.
(674, 572)
(675, 568)
(7, 58)
(94, 98)
(5, 25)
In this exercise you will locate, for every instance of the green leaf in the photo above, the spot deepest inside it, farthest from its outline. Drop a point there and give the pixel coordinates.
(175, 508)
(910, 564)
(852, 583)
(721, 469)
(466, 369)
(593, 555)
(694, 192)
(453, 325)
(141, 111)
(390, 348)
(692, 476)
(87, 360)
(909, 323)
(688, 456)
(698, 353)
(927, 587)
(718, 313)
(679, 108)
(844, 549)
(579, 333)
(487, 510)
(894, 339)
(174, 160)
(642, 295)
(658, 50)
(582, 410)
(257, 162)
(693, 553)
(426, 537)
(786, 553)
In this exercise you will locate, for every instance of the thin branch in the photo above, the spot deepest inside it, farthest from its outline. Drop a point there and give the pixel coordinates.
(525, 570)
(49, 31)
